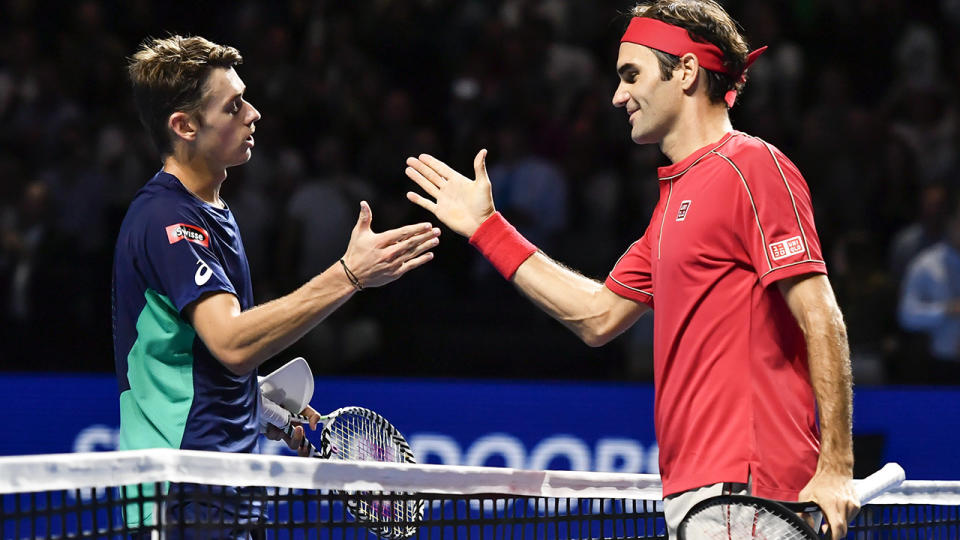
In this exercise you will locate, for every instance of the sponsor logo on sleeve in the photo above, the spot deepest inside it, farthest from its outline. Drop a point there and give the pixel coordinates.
(786, 248)
(203, 273)
(682, 213)
(190, 233)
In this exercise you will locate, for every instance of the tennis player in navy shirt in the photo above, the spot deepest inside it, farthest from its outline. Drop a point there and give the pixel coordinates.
(187, 336)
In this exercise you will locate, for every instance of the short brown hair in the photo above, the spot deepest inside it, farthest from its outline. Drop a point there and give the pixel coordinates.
(704, 20)
(168, 75)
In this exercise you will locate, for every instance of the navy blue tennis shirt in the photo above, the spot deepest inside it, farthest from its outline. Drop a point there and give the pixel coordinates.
(172, 249)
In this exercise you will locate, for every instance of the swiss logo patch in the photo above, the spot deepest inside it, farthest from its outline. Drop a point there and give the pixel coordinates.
(786, 248)
(190, 233)
(682, 213)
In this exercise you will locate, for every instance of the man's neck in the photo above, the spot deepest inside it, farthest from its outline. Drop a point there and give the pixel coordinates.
(699, 125)
(197, 177)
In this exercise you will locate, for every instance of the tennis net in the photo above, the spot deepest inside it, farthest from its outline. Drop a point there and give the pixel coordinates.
(184, 494)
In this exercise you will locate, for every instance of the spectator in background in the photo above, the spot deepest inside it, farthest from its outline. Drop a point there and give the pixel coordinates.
(930, 301)
(33, 255)
(311, 238)
(922, 233)
(529, 189)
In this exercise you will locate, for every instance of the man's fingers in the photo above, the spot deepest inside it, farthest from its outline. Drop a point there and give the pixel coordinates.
(366, 216)
(838, 525)
(439, 167)
(422, 243)
(422, 202)
(393, 236)
(296, 441)
(838, 515)
(415, 262)
(273, 433)
(415, 245)
(480, 165)
(312, 415)
(421, 181)
(428, 172)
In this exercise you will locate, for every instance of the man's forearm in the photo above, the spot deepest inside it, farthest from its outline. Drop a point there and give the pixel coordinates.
(830, 375)
(814, 306)
(245, 339)
(585, 306)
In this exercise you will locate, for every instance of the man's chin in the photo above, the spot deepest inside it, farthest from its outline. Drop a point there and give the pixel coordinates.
(245, 157)
(644, 137)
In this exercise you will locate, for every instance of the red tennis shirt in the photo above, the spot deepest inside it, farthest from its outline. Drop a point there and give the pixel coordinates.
(733, 396)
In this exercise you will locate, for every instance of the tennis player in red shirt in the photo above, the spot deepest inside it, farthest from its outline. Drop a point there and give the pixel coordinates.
(749, 343)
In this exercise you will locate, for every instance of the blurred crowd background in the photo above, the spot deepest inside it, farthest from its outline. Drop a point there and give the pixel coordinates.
(861, 94)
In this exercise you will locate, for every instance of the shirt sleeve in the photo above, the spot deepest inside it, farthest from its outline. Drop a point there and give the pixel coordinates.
(182, 258)
(775, 217)
(631, 276)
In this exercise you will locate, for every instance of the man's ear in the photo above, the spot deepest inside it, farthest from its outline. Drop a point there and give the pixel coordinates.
(182, 125)
(689, 70)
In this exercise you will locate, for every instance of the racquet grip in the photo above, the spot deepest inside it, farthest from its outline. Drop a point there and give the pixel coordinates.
(288, 431)
(889, 477)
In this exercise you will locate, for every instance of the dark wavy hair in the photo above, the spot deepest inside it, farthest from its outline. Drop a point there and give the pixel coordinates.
(705, 21)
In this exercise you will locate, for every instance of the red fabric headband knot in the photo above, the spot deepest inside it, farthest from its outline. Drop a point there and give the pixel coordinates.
(675, 40)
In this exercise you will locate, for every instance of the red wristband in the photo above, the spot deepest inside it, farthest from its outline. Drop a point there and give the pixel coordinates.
(502, 245)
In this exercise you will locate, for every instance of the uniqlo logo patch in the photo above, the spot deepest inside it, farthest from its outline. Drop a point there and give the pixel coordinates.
(786, 248)
(682, 213)
(190, 233)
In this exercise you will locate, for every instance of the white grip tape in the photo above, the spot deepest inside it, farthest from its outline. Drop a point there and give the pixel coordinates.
(273, 413)
(889, 477)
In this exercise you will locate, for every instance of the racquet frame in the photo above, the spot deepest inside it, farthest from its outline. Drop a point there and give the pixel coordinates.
(368, 507)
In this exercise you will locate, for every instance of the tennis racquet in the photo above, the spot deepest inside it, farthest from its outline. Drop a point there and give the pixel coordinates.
(359, 434)
(349, 433)
(735, 517)
(355, 433)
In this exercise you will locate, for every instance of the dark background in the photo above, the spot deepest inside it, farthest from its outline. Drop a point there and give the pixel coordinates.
(862, 95)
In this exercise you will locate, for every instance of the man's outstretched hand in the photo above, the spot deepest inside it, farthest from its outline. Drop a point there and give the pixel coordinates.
(379, 258)
(459, 202)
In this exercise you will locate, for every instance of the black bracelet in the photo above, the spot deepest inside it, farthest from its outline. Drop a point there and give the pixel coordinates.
(352, 277)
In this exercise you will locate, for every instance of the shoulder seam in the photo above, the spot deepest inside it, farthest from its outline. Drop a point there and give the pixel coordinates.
(753, 205)
(793, 201)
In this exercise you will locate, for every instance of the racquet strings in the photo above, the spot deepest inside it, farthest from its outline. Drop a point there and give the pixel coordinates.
(365, 437)
(742, 521)
(361, 438)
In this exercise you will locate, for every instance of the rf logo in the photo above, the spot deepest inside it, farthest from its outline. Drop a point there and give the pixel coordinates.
(682, 213)
(203, 273)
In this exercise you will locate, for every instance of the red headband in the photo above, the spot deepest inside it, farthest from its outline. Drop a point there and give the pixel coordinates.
(675, 40)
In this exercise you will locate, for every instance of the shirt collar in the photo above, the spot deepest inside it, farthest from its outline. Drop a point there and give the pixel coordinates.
(672, 172)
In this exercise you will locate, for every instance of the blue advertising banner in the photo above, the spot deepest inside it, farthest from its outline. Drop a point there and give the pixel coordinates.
(535, 425)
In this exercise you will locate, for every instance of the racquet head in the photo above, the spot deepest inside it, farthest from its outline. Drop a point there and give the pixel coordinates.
(359, 434)
(741, 517)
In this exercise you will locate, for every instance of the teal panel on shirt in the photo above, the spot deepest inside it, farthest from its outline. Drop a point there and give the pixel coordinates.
(153, 412)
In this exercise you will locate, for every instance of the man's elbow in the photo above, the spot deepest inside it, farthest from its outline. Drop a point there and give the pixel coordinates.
(828, 320)
(236, 361)
(598, 337)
